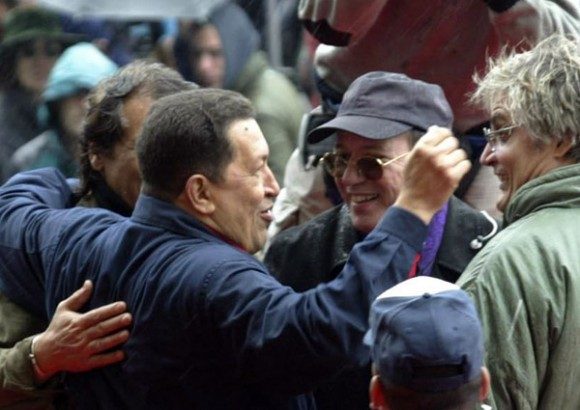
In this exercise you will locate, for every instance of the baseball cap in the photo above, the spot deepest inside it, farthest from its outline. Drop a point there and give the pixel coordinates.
(425, 335)
(380, 105)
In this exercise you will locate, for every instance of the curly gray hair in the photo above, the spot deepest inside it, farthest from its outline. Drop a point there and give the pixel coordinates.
(540, 88)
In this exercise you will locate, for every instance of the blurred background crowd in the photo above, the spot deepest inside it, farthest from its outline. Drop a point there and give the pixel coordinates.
(42, 86)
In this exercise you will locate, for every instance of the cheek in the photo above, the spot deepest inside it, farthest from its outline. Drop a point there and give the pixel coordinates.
(22, 71)
(341, 187)
(390, 186)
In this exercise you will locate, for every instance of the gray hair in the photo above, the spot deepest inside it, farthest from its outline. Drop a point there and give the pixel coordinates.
(540, 88)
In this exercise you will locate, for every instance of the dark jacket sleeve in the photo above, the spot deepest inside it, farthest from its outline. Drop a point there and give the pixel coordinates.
(28, 233)
(290, 341)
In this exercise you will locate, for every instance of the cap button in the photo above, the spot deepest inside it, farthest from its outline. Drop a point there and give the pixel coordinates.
(426, 295)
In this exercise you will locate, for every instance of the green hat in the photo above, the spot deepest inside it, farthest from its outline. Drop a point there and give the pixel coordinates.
(24, 24)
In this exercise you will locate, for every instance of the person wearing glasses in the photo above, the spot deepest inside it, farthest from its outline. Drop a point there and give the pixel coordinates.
(212, 329)
(380, 119)
(526, 281)
(33, 40)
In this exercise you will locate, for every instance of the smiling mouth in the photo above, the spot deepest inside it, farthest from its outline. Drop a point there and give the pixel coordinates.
(267, 215)
(361, 199)
(502, 181)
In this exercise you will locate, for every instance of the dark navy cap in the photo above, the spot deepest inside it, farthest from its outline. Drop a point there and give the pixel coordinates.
(425, 335)
(380, 105)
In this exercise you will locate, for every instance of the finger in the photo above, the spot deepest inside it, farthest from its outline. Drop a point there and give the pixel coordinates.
(103, 344)
(458, 171)
(104, 359)
(108, 326)
(100, 314)
(434, 135)
(453, 158)
(446, 145)
(78, 298)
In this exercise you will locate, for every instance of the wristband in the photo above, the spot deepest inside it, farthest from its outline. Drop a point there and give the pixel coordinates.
(38, 372)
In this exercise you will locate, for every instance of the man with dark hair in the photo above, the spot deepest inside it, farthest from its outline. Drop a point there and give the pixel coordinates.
(427, 349)
(211, 327)
(109, 176)
(110, 179)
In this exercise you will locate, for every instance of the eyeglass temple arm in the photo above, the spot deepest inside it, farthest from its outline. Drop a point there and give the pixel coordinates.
(396, 158)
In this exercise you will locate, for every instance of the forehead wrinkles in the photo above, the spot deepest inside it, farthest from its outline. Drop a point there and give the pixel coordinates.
(381, 147)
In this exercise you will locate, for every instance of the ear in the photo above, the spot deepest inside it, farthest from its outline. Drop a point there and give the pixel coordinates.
(376, 394)
(485, 384)
(563, 147)
(198, 190)
(96, 162)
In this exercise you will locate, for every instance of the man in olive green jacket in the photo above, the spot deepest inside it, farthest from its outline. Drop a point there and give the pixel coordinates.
(526, 281)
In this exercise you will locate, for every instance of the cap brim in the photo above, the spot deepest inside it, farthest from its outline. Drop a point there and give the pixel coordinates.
(365, 126)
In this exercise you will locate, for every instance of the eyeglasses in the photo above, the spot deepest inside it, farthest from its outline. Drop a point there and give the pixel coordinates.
(48, 49)
(369, 167)
(500, 135)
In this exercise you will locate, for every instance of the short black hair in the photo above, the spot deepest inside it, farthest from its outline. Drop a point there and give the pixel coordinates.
(185, 134)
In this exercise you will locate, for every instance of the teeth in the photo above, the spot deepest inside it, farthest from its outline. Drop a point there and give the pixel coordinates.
(357, 199)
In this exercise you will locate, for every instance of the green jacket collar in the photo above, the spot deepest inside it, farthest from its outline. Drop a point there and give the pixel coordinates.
(558, 188)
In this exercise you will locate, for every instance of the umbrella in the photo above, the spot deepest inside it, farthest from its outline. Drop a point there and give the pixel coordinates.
(135, 9)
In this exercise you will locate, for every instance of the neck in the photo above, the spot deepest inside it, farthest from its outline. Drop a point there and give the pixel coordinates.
(184, 204)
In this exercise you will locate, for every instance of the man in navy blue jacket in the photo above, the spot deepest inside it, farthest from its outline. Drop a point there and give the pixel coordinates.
(211, 327)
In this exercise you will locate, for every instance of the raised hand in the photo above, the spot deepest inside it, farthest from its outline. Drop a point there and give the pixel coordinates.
(433, 171)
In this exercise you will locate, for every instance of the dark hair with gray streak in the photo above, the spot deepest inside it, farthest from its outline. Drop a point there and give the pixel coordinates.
(540, 89)
(186, 134)
(105, 125)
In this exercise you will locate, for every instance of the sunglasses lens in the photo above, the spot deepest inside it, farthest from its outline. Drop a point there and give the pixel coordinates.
(26, 50)
(48, 49)
(334, 164)
(370, 168)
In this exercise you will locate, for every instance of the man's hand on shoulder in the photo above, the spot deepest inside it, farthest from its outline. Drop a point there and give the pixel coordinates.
(78, 342)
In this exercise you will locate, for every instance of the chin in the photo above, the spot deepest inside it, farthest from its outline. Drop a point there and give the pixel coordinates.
(363, 226)
(502, 203)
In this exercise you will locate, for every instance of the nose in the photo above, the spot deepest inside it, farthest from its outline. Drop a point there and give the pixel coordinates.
(271, 186)
(205, 61)
(487, 156)
(351, 174)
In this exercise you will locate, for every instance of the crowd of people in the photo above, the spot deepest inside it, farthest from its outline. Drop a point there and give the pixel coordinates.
(179, 231)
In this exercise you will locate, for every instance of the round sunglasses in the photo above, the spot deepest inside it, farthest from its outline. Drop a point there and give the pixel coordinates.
(33, 48)
(369, 167)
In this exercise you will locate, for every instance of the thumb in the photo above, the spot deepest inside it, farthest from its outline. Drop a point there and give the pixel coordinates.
(78, 298)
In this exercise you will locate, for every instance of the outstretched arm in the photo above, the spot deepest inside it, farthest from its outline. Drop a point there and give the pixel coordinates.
(290, 341)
